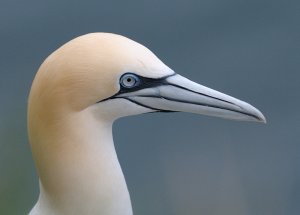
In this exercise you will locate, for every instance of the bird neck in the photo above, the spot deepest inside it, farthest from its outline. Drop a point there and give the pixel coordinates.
(79, 169)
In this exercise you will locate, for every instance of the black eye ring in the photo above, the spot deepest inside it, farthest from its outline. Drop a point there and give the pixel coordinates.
(129, 80)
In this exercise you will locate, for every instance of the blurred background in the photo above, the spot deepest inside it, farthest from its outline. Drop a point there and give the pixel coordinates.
(176, 163)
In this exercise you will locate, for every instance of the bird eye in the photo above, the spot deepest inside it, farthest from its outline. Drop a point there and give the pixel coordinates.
(129, 80)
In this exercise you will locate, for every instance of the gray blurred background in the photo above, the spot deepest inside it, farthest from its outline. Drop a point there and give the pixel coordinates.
(174, 164)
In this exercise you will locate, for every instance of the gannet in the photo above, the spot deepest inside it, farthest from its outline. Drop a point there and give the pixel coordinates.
(77, 94)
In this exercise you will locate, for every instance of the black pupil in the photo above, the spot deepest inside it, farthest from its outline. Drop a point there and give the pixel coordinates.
(129, 79)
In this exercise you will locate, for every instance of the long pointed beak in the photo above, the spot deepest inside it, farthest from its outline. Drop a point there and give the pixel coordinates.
(177, 93)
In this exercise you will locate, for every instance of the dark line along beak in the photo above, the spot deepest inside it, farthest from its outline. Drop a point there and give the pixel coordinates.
(176, 93)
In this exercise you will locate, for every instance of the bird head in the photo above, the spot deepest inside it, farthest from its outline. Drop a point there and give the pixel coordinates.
(117, 77)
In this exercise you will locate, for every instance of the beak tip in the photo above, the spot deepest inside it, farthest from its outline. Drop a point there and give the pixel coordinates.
(259, 116)
(263, 119)
(255, 114)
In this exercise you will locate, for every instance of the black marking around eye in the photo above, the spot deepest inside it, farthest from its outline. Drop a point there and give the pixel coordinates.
(144, 82)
